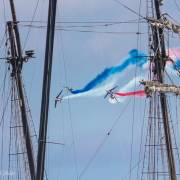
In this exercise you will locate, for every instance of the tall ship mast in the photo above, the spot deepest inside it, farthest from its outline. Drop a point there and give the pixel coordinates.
(162, 152)
(58, 121)
(20, 123)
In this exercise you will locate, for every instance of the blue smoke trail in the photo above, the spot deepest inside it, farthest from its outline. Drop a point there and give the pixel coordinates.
(176, 65)
(135, 58)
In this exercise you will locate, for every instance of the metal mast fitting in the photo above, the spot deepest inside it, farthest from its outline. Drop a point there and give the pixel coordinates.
(46, 90)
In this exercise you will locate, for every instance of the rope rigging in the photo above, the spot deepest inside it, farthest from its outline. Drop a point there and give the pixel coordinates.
(83, 27)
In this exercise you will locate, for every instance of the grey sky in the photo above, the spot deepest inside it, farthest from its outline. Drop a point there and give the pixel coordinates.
(83, 123)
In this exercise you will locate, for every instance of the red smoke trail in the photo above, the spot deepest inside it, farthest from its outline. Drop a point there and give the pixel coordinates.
(132, 93)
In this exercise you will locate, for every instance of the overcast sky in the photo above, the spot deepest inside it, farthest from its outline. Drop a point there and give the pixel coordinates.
(82, 124)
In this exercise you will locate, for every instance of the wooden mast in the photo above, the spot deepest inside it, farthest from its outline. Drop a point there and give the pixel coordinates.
(16, 62)
(46, 90)
(160, 61)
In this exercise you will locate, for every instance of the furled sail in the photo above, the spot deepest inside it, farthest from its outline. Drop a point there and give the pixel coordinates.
(153, 86)
(165, 23)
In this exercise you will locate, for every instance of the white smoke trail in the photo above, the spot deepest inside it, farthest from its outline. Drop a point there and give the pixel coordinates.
(103, 88)
(128, 87)
(174, 53)
(99, 91)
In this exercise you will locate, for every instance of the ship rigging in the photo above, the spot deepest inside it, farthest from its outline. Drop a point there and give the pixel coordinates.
(27, 152)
